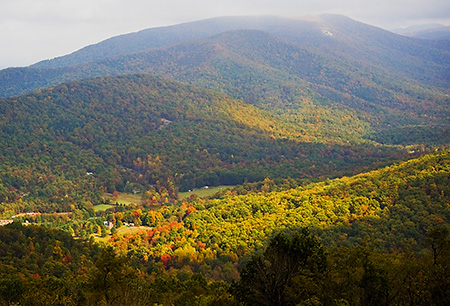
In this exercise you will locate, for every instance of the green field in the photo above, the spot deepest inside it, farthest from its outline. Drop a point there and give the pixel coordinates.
(127, 198)
(202, 192)
(124, 198)
(102, 207)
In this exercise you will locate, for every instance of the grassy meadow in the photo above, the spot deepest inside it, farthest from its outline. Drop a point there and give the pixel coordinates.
(202, 192)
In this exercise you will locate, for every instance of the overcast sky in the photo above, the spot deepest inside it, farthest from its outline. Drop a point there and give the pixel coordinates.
(33, 30)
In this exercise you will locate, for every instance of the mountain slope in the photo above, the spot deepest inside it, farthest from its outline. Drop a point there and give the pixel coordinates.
(392, 209)
(335, 63)
(99, 134)
(395, 206)
(282, 77)
(333, 34)
(159, 37)
(335, 37)
(395, 220)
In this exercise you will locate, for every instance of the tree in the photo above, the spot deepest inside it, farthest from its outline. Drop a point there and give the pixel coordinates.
(438, 239)
(108, 279)
(439, 278)
(115, 195)
(375, 285)
(284, 273)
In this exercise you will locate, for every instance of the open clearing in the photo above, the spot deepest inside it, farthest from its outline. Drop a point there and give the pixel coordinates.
(101, 207)
(128, 199)
(203, 192)
(124, 198)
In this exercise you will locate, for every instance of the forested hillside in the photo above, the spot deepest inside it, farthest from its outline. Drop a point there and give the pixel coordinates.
(102, 134)
(310, 72)
(378, 238)
(393, 207)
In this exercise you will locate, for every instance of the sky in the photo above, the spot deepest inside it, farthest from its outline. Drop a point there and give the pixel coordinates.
(34, 30)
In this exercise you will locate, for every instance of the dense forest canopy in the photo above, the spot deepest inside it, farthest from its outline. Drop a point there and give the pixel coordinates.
(381, 238)
(98, 135)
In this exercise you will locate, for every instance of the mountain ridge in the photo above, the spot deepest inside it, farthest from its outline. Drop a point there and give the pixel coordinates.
(293, 30)
(154, 38)
(306, 33)
(430, 32)
(337, 65)
(204, 63)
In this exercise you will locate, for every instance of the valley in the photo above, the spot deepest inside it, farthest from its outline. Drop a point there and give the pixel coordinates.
(229, 161)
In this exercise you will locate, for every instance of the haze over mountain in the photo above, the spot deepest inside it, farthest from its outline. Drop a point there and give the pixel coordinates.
(430, 31)
(276, 64)
(336, 37)
(46, 29)
(297, 30)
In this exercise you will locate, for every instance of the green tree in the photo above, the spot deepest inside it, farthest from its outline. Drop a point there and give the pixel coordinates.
(109, 277)
(289, 272)
(375, 285)
(439, 273)
(438, 239)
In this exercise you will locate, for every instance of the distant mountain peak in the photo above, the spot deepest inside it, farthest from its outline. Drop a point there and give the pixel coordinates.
(427, 31)
(418, 28)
